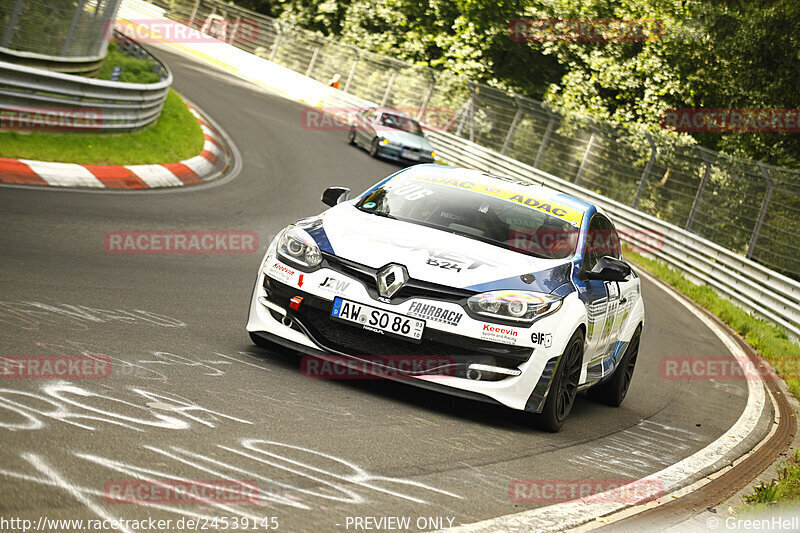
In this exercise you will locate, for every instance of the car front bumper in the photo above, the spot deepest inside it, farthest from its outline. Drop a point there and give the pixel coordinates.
(272, 318)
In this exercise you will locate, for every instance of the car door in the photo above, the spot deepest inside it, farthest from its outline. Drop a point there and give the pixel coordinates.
(608, 303)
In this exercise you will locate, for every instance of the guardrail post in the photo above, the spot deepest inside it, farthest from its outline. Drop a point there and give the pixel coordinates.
(762, 212)
(586, 155)
(646, 173)
(277, 42)
(313, 61)
(389, 86)
(72, 25)
(513, 127)
(428, 96)
(352, 72)
(707, 160)
(469, 113)
(192, 16)
(545, 138)
(12, 22)
(235, 29)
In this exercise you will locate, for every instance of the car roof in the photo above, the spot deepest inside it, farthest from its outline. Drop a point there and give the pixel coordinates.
(391, 111)
(501, 182)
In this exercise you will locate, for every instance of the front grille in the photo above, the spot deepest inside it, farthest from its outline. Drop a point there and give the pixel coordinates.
(411, 289)
(339, 337)
(352, 340)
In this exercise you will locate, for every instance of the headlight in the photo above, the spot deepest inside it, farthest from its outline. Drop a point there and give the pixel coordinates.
(296, 245)
(519, 306)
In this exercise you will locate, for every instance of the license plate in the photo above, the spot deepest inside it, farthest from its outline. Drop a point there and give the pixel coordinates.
(378, 320)
(408, 154)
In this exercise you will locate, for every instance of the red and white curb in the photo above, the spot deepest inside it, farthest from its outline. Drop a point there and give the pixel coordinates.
(207, 165)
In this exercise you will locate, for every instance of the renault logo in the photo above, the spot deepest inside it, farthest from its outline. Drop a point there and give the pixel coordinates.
(390, 279)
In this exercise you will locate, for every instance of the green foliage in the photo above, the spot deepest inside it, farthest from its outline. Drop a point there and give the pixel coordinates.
(174, 137)
(134, 70)
(784, 489)
(710, 53)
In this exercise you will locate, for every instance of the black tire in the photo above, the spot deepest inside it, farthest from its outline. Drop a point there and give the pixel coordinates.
(264, 343)
(373, 148)
(613, 391)
(564, 388)
(351, 137)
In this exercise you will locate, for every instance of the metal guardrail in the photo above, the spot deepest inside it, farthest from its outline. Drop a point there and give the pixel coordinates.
(84, 103)
(60, 35)
(752, 286)
(749, 284)
(744, 206)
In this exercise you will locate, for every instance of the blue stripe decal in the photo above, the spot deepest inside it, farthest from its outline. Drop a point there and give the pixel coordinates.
(546, 281)
(321, 238)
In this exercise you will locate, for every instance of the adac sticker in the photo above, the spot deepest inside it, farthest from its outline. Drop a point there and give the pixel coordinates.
(564, 212)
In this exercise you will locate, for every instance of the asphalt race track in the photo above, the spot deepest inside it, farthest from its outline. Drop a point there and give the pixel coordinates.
(190, 397)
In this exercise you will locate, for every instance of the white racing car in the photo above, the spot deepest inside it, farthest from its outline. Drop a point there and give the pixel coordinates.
(514, 293)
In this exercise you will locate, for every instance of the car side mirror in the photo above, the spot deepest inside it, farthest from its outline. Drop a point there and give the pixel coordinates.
(609, 269)
(335, 195)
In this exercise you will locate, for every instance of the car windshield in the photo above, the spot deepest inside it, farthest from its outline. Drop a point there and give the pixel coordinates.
(498, 221)
(399, 122)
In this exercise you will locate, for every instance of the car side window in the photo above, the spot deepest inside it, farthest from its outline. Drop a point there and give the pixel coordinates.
(601, 240)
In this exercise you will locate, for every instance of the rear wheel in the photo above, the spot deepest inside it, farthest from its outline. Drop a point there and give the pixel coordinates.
(613, 391)
(564, 387)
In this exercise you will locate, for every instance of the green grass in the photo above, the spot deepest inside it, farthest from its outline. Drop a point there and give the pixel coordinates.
(134, 70)
(174, 137)
(769, 340)
(771, 343)
(783, 490)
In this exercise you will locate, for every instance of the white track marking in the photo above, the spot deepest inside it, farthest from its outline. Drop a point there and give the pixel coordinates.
(64, 174)
(155, 175)
(567, 515)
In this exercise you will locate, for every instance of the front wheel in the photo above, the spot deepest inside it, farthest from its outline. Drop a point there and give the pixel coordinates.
(373, 148)
(613, 391)
(564, 387)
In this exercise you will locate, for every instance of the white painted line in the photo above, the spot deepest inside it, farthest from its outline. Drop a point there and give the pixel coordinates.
(567, 515)
(201, 166)
(64, 174)
(155, 175)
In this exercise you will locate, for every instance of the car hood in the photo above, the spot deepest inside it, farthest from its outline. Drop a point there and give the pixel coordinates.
(433, 255)
(406, 139)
